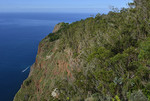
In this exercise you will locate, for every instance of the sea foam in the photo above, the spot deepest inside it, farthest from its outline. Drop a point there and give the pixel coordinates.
(26, 69)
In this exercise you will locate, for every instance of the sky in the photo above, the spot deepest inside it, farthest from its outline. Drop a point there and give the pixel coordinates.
(80, 6)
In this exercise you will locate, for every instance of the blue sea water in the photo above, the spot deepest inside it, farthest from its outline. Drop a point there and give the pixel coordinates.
(20, 34)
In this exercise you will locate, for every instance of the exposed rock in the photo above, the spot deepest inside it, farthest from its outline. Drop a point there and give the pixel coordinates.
(57, 27)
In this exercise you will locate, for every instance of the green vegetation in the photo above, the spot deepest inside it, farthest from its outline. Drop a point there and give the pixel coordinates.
(106, 58)
(53, 37)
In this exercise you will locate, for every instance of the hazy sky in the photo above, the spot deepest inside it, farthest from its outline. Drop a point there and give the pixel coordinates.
(60, 5)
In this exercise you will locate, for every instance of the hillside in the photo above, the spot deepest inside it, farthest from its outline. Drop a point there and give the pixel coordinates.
(105, 58)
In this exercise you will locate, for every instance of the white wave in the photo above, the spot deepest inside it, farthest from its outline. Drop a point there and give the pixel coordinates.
(26, 69)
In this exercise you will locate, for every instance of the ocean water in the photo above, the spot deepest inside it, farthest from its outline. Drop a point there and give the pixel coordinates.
(20, 34)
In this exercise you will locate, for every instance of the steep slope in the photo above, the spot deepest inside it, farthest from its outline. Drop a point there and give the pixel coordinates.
(103, 58)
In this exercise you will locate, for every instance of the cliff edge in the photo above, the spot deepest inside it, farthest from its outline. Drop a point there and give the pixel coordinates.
(105, 58)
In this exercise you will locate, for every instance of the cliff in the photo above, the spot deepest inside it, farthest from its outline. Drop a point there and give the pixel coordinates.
(103, 58)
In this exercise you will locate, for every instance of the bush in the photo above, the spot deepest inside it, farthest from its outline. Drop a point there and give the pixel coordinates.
(138, 96)
(53, 37)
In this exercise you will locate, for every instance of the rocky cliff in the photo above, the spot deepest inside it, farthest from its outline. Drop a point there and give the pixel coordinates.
(53, 63)
(97, 59)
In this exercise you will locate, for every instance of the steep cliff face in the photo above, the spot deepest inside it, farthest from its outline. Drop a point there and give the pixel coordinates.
(52, 64)
(97, 59)
(56, 59)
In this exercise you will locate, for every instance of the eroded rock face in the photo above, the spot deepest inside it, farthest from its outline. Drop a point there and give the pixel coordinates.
(51, 65)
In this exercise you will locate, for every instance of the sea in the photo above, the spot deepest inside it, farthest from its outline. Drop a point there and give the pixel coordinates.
(20, 34)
